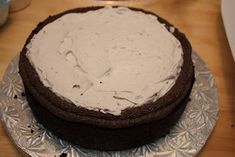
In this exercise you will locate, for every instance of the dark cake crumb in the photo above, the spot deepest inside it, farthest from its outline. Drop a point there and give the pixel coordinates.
(232, 126)
(63, 155)
(141, 33)
(31, 131)
(29, 126)
(101, 82)
(15, 97)
(76, 86)
(81, 94)
(22, 94)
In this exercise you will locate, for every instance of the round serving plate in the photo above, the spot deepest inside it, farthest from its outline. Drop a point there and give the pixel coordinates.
(186, 138)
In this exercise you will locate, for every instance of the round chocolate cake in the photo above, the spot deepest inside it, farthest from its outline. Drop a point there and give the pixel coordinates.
(107, 78)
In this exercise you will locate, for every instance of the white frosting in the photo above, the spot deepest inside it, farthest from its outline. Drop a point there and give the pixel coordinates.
(106, 60)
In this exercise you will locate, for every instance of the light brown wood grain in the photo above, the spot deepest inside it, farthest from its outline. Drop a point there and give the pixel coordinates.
(200, 20)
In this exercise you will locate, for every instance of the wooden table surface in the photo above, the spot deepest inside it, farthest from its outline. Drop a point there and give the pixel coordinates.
(200, 20)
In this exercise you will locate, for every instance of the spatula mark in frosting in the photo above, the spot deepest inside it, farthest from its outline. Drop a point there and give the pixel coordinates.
(107, 72)
(170, 77)
(45, 79)
(121, 98)
(66, 48)
(115, 91)
(72, 58)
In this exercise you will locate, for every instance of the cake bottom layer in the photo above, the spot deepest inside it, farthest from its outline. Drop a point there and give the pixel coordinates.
(93, 137)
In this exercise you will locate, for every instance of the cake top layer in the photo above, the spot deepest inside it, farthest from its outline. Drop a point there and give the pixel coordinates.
(106, 60)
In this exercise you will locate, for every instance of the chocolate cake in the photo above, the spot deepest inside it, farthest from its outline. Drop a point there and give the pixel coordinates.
(107, 78)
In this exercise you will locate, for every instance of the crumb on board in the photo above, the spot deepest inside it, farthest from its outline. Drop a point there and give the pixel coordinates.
(63, 155)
